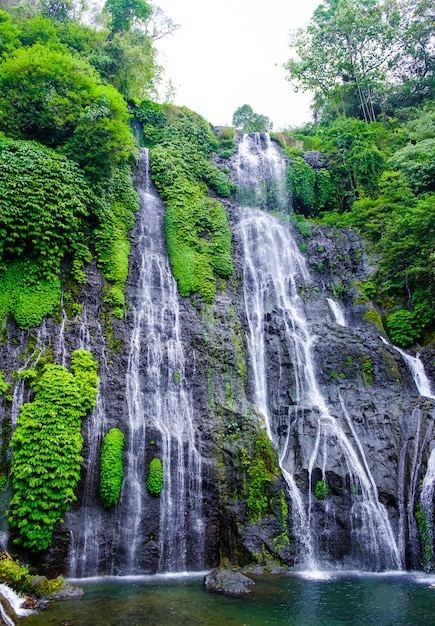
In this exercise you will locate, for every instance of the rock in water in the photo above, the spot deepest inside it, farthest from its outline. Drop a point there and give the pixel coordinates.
(228, 582)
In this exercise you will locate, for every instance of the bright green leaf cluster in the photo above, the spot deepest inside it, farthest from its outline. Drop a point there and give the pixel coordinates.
(111, 469)
(155, 477)
(322, 490)
(46, 449)
(197, 230)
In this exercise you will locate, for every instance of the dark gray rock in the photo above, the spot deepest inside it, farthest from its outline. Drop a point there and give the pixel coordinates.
(228, 582)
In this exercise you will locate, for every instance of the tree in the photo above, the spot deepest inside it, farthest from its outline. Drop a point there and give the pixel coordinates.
(362, 40)
(59, 100)
(246, 120)
(123, 12)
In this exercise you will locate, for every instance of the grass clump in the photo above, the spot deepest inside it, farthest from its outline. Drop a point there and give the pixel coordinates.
(261, 468)
(111, 469)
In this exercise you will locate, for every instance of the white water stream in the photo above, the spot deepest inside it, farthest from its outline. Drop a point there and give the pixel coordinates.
(159, 401)
(417, 434)
(272, 268)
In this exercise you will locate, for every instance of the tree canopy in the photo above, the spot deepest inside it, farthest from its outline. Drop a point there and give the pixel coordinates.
(373, 48)
(246, 120)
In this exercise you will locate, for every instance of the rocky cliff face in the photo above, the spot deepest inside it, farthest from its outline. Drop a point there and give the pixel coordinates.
(340, 479)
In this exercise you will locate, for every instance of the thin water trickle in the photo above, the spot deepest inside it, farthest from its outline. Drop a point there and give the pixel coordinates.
(337, 312)
(273, 267)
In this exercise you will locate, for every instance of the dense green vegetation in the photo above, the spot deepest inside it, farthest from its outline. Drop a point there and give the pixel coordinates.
(197, 230)
(111, 468)
(155, 477)
(375, 130)
(47, 444)
(66, 148)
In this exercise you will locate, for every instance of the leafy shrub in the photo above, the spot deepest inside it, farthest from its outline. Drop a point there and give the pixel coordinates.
(300, 182)
(111, 469)
(322, 490)
(227, 142)
(155, 477)
(417, 162)
(26, 299)
(46, 449)
(403, 327)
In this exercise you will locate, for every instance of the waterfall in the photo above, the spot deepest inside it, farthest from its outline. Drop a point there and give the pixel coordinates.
(146, 533)
(262, 170)
(159, 406)
(273, 270)
(417, 433)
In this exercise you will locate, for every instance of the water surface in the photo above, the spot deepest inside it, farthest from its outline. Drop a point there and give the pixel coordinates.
(312, 599)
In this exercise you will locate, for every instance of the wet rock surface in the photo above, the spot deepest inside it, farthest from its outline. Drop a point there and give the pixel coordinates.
(228, 582)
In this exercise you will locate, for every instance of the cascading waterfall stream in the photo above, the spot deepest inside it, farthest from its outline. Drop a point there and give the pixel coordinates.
(416, 436)
(159, 402)
(273, 268)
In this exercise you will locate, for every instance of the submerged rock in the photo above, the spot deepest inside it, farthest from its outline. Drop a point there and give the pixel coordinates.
(227, 581)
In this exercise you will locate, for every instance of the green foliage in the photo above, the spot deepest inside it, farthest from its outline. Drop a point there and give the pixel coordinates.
(350, 52)
(367, 367)
(13, 574)
(322, 490)
(59, 100)
(425, 536)
(123, 12)
(417, 162)
(227, 141)
(4, 386)
(247, 121)
(110, 237)
(43, 205)
(151, 116)
(8, 34)
(111, 468)
(25, 298)
(196, 226)
(300, 182)
(18, 578)
(403, 327)
(261, 467)
(46, 449)
(155, 477)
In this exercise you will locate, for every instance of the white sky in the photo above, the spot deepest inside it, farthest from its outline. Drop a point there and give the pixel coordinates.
(230, 52)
